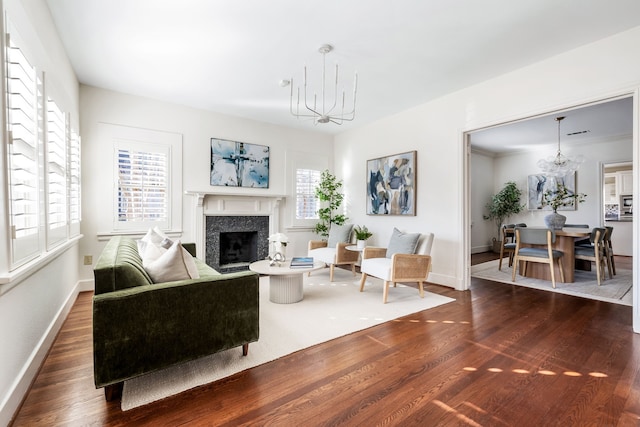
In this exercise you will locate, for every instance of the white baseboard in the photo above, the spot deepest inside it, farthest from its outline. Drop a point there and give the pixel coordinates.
(29, 373)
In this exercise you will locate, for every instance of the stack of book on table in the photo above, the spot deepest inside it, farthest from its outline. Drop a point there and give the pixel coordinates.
(301, 262)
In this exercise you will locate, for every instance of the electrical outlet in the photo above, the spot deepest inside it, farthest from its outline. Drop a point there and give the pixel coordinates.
(88, 259)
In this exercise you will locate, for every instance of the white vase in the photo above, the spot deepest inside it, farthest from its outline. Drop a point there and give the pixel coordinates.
(361, 244)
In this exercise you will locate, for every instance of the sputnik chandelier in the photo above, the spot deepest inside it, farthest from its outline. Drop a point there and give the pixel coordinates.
(323, 109)
(560, 165)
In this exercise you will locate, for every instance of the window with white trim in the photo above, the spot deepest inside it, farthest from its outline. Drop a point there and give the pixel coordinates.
(22, 91)
(307, 203)
(56, 170)
(142, 171)
(75, 212)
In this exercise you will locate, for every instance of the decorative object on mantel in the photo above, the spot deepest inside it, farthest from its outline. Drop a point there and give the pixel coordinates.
(391, 185)
(502, 205)
(279, 241)
(324, 112)
(362, 234)
(239, 164)
(555, 198)
(328, 191)
(560, 165)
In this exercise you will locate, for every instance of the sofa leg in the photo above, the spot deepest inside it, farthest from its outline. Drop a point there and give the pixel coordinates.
(113, 391)
(245, 349)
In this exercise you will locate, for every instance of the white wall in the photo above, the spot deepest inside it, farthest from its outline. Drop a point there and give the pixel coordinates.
(482, 188)
(596, 71)
(35, 302)
(197, 128)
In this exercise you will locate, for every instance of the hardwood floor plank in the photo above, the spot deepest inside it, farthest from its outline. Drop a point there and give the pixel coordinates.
(499, 355)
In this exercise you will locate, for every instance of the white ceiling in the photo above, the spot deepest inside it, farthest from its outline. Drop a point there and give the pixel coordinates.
(228, 56)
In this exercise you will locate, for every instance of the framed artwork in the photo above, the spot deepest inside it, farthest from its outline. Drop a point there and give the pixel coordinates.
(391, 185)
(238, 164)
(538, 184)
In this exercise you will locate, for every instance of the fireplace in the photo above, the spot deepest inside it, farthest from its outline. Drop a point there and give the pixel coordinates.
(233, 242)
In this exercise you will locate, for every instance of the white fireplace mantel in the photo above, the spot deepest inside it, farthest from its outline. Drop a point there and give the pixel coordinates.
(218, 204)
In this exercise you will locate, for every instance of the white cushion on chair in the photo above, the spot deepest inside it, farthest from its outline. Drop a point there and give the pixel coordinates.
(378, 267)
(326, 255)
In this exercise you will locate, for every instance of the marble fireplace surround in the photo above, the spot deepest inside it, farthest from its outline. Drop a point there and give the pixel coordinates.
(216, 204)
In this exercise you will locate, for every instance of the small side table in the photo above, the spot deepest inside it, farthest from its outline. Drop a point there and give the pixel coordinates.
(285, 283)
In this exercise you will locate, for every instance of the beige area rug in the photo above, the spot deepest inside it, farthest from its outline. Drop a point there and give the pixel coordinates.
(328, 311)
(616, 290)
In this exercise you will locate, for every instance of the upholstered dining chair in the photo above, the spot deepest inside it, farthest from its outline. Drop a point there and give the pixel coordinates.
(406, 259)
(525, 253)
(595, 252)
(508, 242)
(334, 250)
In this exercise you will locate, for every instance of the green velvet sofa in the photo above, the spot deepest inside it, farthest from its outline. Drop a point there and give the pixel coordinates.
(140, 327)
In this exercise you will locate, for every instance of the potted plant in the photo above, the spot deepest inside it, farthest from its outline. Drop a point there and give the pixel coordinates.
(502, 205)
(558, 197)
(362, 234)
(328, 191)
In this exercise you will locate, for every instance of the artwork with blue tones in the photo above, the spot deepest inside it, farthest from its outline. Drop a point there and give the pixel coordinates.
(238, 164)
(391, 185)
(537, 185)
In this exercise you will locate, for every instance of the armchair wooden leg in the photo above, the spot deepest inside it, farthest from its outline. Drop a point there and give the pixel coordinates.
(245, 349)
(362, 281)
(353, 269)
(421, 288)
(331, 272)
(385, 292)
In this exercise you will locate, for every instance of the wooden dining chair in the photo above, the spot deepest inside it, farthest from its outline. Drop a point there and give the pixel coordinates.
(594, 253)
(611, 263)
(524, 253)
(508, 242)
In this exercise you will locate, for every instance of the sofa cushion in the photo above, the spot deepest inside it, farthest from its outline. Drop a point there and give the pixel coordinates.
(377, 267)
(175, 264)
(402, 243)
(339, 234)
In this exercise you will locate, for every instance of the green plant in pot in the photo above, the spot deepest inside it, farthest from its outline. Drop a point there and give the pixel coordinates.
(362, 233)
(502, 205)
(328, 191)
(561, 196)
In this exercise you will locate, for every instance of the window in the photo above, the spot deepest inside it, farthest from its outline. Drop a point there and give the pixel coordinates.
(307, 202)
(56, 155)
(22, 93)
(143, 185)
(75, 214)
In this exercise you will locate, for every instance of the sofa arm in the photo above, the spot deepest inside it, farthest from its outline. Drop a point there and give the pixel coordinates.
(344, 255)
(373, 252)
(146, 328)
(315, 244)
(410, 267)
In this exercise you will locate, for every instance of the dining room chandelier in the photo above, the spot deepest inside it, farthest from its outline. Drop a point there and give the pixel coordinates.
(320, 107)
(560, 165)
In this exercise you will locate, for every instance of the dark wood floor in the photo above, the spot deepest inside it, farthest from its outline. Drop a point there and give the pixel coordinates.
(500, 355)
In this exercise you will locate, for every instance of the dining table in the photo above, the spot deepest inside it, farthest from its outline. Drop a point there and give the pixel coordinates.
(565, 242)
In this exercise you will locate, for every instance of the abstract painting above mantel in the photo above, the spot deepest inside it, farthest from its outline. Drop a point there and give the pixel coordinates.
(391, 185)
(239, 164)
(538, 184)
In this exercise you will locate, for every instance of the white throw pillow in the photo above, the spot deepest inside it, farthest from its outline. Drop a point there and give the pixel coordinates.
(402, 243)
(174, 264)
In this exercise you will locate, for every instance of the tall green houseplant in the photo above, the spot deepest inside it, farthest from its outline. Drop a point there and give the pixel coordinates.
(328, 191)
(504, 204)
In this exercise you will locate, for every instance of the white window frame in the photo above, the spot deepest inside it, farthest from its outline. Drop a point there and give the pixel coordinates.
(56, 174)
(302, 160)
(152, 141)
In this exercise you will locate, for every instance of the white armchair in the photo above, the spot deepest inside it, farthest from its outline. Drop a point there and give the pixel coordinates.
(334, 251)
(405, 260)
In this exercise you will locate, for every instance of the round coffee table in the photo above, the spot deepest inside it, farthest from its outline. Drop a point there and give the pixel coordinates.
(285, 283)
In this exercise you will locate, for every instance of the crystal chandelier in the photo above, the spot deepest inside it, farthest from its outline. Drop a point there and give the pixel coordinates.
(560, 165)
(323, 110)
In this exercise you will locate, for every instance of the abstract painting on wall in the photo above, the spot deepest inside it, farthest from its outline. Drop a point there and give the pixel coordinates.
(391, 185)
(238, 164)
(537, 185)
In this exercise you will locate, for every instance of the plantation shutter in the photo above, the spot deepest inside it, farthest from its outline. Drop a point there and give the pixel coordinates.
(22, 91)
(306, 200)
(56, 153)
(143, 180)
(74, 184)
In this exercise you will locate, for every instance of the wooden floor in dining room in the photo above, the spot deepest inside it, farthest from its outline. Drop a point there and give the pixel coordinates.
(500, 355)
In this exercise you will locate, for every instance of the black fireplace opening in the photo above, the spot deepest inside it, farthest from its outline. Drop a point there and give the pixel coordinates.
(238, 248)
